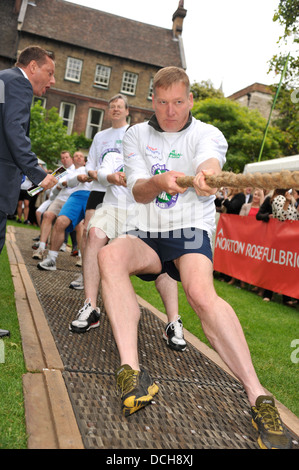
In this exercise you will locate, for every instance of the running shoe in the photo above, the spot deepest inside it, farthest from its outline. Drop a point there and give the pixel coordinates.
(79, 262)
(174, 335)
(78, 283)
(136, 387)
(87, 318)
(39, 254)
(47, 265)
(266, 420)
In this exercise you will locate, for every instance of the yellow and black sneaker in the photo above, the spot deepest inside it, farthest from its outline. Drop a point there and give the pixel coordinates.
(136, 387)
(266, 420)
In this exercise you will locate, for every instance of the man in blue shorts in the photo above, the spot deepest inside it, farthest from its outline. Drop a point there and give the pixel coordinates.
(72, 212)
(174, 228)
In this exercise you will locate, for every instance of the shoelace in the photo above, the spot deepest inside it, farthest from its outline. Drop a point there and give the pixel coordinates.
(176, 326)
(127, 381)
(270, 417)
(84, 313)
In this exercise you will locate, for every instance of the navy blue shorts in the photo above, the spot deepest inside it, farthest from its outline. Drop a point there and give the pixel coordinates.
(172, 245)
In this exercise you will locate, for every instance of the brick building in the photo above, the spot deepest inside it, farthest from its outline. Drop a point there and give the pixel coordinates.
(97, 56)
(256, 96)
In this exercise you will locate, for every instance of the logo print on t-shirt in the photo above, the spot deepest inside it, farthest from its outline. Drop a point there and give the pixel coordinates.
(163, 200)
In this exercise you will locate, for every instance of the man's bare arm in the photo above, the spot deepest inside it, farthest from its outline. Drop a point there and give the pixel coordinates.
(145, 190)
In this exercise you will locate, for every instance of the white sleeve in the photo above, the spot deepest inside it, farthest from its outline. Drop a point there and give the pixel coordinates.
(72, 180)
(135, 166)
(92, 159)
(106, 168)
(210, 143)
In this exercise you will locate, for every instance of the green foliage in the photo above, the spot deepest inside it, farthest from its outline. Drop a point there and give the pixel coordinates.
(287, 105)
(49, 135)
(243, 128)
(205, 89)
(287, 14)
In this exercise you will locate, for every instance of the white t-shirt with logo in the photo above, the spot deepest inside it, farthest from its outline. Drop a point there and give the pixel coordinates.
(118, 196)
(148, 152)
(108, 140)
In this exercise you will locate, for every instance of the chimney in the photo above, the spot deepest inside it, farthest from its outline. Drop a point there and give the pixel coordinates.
(178, 19)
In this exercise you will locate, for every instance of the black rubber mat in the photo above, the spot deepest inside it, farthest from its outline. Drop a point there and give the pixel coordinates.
(198, 406)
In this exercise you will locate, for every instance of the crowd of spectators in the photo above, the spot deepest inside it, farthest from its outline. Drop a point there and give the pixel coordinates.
(282, 204)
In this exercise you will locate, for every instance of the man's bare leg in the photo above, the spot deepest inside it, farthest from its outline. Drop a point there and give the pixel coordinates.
(95, 241)
(168, 290)
(118, 294)
(46, 226)
(173, 333)
(58, 232)
(219, 321)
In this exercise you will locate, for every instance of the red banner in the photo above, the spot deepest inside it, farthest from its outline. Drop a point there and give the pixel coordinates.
(264, 254)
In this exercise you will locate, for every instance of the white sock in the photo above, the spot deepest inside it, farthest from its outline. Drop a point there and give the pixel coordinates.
(53, 255)
(42, 245)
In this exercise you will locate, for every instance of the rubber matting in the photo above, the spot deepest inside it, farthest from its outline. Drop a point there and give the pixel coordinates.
(198, 406)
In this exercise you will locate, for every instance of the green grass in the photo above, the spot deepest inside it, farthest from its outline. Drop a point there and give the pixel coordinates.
(12, 420)
(269, 329)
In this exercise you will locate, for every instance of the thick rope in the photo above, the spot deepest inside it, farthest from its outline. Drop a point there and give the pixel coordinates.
(285, 179)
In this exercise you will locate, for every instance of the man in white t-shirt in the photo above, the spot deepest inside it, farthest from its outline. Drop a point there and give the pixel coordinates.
(173, 235)
(59, 196)
(108, 222)
(108, 140)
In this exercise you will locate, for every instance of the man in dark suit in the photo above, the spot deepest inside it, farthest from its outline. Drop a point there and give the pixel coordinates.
(32, 75)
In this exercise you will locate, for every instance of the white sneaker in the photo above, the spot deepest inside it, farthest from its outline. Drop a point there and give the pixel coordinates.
(79, 262)
(63, 247)
(87, 318)
(39, 254)
(78, 283)
(47, 265)
(174, 335)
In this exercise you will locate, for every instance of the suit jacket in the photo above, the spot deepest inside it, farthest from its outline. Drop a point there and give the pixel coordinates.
(16, 156)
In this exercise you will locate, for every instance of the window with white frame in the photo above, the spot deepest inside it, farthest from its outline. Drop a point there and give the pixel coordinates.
(129, 83)
(67, 113)
(94, 122)
(73, 69)
(150, 89)
(102, 76)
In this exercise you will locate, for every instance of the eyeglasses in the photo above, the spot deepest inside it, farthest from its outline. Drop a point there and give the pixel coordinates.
(116, 107)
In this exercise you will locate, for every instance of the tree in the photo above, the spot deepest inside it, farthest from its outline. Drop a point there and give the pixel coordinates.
(287, 14)
(49, 136)
(287, 119)
(205, 89)
(242, 128)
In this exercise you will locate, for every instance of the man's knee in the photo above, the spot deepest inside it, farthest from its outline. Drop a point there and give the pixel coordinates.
(49, 216)
(61, 223)
(108, 259)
